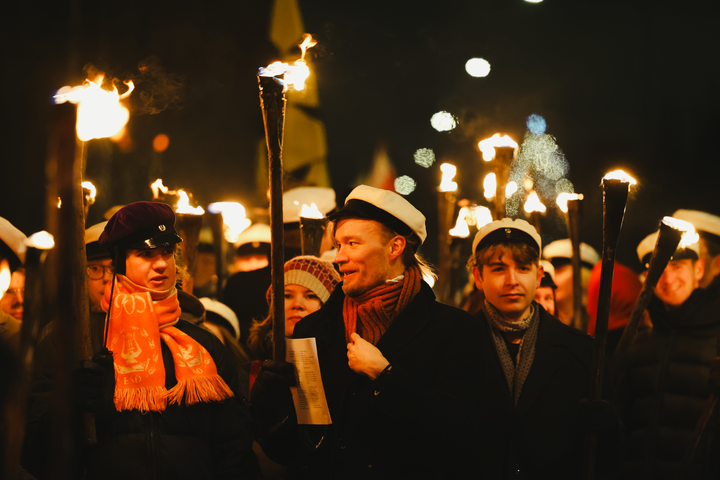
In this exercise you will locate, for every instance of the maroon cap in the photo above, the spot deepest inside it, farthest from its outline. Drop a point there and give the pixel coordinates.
(140, 226)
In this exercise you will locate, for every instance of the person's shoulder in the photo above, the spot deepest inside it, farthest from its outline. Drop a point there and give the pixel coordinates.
(316, 321)
(564, 333)
(198, 333)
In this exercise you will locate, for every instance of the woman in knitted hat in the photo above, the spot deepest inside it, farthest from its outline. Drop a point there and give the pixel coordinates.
(309, 282)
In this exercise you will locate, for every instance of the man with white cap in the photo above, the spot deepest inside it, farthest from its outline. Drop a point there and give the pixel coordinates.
(536, 369)
(664, 381)
(400, 370)
(559, 253)
(708, 226)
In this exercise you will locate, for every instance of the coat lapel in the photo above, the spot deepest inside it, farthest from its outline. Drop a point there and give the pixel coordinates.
(547, 360)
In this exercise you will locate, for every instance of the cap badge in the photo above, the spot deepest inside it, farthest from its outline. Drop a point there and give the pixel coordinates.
(508, 231)
(161, 227)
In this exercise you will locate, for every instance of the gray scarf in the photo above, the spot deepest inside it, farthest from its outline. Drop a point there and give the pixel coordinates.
(514, 375)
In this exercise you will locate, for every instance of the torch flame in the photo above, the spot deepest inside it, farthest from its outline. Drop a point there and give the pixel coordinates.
(490, 185)
(487, 146)
(294, 75)
(41, 240)
(448, 172)
(563, 198)
(533, 204)
(99, 112)
(183, 205)
(689, 237)
(461, 228)
(510, 188)
(620, 175)
(311, 212)
(93, 191)
(482, 216)
(5, 276)
(234, 218)
(157, 187)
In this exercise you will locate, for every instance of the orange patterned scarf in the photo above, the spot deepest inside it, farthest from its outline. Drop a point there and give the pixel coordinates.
(138, 323)
(372, 313)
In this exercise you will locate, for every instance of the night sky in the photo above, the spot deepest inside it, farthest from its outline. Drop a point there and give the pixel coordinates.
(630, 85)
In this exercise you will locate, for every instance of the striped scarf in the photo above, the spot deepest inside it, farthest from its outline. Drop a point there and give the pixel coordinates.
(515, 375)
(371, 314)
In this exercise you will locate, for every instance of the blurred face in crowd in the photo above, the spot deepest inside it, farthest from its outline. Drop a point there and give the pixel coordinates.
(299, 303)
(13, 301)
(367, 255)
(678, 281)
(153, 268)
(564, 281)
(508, 285)
(99, 274)
(545, 296)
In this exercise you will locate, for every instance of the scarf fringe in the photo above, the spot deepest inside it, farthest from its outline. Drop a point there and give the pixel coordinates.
(144, 399)
(199, 389)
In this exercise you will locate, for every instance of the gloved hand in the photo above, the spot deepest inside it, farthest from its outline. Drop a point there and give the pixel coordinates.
(598, 416)
(270, 396)
(89, 386)
(714, 379)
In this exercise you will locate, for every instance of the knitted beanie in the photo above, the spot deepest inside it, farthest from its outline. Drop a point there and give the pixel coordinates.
(312, 273)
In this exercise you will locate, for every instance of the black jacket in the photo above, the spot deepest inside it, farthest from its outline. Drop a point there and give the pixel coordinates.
(541, 438)
(418, 421)
(202, 441)
(664, 388)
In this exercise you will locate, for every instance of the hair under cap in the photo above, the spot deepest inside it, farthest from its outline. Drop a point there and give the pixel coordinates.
(385, 207)
(140, 226)
(506, 229)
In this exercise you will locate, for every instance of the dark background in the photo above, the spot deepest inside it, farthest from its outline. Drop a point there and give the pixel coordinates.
(630, 85)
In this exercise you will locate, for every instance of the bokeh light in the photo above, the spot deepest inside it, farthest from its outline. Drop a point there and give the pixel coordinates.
(443, 121)
(477, 67)
(424, 157)
(405, 185)
(536, 124)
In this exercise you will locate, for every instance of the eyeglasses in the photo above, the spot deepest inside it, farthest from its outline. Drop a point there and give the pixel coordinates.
(16, 292)
(98, 272)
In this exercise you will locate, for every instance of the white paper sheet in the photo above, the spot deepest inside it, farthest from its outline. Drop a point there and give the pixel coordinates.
(309, 396)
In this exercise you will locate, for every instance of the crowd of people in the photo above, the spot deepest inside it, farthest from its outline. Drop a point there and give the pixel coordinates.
(186, 387)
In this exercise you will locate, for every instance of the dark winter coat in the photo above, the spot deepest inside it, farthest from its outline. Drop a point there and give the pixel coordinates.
(541, 438)
(664, 388)
(416, 422)
(202, 441)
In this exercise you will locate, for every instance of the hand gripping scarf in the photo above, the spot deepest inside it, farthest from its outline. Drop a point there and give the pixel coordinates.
(138, 323)
(372, 313)
(514, 375)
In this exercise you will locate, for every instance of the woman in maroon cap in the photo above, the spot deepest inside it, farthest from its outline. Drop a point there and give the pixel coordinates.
(175, 410)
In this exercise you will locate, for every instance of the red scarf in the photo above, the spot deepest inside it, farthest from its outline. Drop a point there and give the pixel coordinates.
(138, 323)
(372, 313)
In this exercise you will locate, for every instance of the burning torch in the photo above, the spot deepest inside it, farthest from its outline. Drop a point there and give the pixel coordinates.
(274, 81)
(446, 209)
(312, 229)
(616, 187)
(228, 221)
(501, 149)
(570, 204)
(535, 208)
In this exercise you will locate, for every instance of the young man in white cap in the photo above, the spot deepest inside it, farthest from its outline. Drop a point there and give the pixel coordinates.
(665, 376)
(400, 370)
(559, 253)
(708, 226)
(536, 370)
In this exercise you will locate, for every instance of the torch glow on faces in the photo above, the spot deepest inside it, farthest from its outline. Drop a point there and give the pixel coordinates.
(99, 112)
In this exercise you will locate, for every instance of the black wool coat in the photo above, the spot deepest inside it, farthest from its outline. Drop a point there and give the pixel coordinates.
(418, 421)
(202, 441)
(541, 437)
(664, 389)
